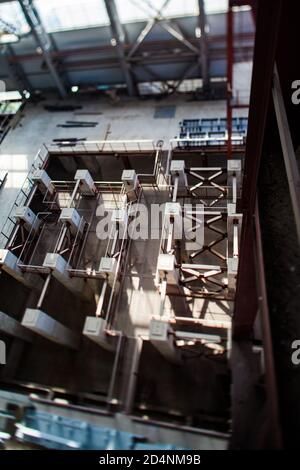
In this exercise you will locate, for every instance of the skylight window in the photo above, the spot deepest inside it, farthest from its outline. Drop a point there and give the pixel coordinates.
(133, 10)
(58, 15)
(11, 13)
(215, 6)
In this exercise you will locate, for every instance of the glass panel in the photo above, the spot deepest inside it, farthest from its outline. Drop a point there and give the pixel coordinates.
(11, 13)
(132, 10)
(181, 8)
(74, 14)
(216, 6)
(58, 15)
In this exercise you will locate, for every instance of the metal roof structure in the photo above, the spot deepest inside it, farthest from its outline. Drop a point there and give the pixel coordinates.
(123, 54)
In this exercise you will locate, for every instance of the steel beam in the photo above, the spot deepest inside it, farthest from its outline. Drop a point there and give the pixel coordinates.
(171, 26)
(271, 383)
(146, 30)
(165, 85)
(143, 34)
(264, 57)
(230, 19)
(190, 69)
(16, 71)
(12, 327)
(203, 46)
(176, 32)
(119, 37)
(43, 41)
(219, 43)
(42, 324)
(291, 165)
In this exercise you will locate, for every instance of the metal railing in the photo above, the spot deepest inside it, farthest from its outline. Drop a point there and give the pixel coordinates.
(206, 141)
(22, 196)
(104, 146)
(101, 146)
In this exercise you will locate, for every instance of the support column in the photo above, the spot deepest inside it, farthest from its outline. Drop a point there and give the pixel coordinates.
(9, 264)
(43, 41)
(95, 329)
(130, 366)
(44, 325)
(16, 71)
(265, 48)
(230, 19)
(119, 37)
(163, 339)
(68, 163)
(289, 156)
(12, 327)
(91, 163)
(203, 47)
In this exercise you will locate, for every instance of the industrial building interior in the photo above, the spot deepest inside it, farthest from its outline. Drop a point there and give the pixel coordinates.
(142, 339)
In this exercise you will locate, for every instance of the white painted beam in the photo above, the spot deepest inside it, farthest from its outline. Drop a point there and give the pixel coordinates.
(44, 325)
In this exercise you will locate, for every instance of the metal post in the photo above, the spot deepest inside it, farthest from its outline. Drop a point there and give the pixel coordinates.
(229, 78)
(44, 325)
(44, 291)
(291, 165)
(119, 37)
(12, 327)
(203, 46)
(271, 382)
(245, 309)
(43, 40)
(16, 71)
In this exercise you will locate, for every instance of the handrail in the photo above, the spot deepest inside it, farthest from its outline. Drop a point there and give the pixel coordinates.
(22, 196)
(127, 146)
